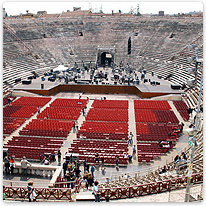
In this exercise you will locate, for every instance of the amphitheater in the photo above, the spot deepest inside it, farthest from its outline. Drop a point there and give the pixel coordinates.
(105, 57)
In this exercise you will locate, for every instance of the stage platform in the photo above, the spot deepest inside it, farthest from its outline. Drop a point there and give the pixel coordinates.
(144, 89)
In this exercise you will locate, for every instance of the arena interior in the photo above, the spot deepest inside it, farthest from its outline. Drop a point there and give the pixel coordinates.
(129, 74)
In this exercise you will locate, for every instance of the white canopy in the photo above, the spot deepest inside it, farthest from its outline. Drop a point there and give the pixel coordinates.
(60, 68)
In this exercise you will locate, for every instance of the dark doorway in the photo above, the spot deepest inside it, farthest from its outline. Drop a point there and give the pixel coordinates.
(106, 59)
(129, 45)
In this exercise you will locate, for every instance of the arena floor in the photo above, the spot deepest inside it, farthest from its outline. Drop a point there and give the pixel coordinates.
(110, 172)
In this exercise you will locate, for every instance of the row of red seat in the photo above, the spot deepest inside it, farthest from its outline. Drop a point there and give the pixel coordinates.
(104, 127)
(39, 139)
(108, 159)
(43, 133)
(156, 138)
(162, 116)
(69, 103)
(182, 109)
(104, 136)
(32, 101)
(154, 129)
(184, 114)
(153, 147)
(109, 121)
(11, 124)
(97, 114)
(19, 111)
(180, 105)
(49, 125)
(116, 104)
(100, 144)
(35, 142)
(29, 152)
(71, 113)
(151, 105)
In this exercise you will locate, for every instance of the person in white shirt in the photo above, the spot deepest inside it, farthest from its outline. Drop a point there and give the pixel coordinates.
(130, 138)
(24, 165)
(96, 191)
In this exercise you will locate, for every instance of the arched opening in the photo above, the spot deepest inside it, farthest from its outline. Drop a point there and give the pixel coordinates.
(106, 59)
(129, 46)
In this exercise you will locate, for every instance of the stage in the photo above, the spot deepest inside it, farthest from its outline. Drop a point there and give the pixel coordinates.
(143, 89)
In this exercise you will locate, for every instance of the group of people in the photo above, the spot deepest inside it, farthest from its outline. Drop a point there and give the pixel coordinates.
(46, 159)
(9, 164)
(71, 171)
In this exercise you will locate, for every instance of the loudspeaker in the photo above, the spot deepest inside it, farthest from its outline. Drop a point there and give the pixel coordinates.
(17, 80)
(175, 86)
(26, 82)
(42, 86)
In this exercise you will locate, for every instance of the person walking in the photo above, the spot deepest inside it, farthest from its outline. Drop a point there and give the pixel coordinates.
(24, 165)
(31, 193)
(96, 191)
(130, 138)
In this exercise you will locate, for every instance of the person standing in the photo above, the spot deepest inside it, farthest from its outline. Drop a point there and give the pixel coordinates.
(77, 126)
(96, 191)
(117, 163)
(12, 164)
(65, 167)
(92, 170)
(6, 164)
(134, 150)
(181, 127)
(38, 109)
(74, 126)
(24, 165)
(59, 154)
